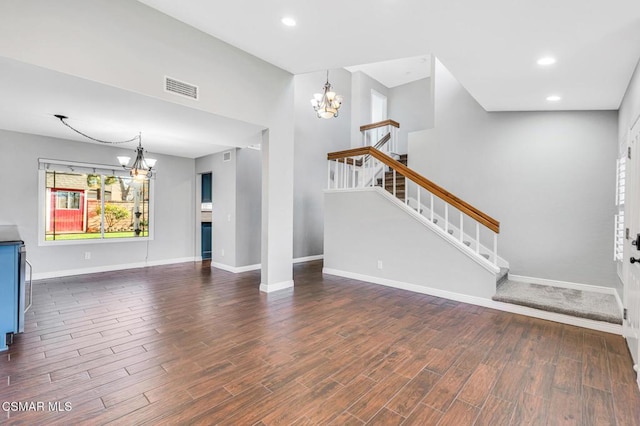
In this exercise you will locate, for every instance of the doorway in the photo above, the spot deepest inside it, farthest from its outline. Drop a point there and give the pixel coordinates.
(206, 215)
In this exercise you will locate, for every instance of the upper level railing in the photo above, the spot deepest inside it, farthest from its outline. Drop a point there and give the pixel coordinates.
(374, 134)
(367, 166)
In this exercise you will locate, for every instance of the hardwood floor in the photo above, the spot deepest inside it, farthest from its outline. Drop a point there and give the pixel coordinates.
(184, 344)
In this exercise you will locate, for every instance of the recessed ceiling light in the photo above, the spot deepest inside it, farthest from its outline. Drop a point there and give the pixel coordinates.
(547, 60)
(289, 22)
(553, 98)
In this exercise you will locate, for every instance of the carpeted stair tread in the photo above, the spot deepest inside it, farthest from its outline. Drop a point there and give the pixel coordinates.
(502, 276)
(577, 303)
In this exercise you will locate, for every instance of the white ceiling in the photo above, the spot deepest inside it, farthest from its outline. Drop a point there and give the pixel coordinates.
(397, 71)
(491, 46)
(37, 94)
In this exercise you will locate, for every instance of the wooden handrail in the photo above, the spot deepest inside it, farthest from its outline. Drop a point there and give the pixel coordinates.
(379, 124)
(435, 189)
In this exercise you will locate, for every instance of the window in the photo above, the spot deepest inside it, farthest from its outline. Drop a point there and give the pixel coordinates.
(67, 200)
(87, 203)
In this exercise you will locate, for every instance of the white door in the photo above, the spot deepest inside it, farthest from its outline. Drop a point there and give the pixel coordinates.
(631, 327)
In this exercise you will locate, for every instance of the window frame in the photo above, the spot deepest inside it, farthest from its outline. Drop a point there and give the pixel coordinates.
(88, 168)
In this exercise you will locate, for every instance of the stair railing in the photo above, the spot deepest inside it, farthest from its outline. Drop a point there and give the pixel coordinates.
(366, 167)
(374, 133)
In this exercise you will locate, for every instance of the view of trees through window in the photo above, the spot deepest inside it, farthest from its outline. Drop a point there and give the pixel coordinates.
(95, 206)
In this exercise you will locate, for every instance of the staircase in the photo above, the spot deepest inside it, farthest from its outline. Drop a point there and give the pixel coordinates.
(400, 186)
(376, 170)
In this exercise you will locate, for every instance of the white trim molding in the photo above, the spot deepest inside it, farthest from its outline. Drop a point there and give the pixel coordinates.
(70, 272)
(236, 269)
(479, 301)
(240, 269)
(308, 258)
(270, 288)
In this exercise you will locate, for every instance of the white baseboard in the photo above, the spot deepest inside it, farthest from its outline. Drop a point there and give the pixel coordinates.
(236, 269)
(562, 284)
(239, 269)
(479, 301)
(270, 288)
(308, 258)
(108, 268)
(123, 266)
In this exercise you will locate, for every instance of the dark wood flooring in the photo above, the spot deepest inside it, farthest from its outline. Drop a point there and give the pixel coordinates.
(184, 344)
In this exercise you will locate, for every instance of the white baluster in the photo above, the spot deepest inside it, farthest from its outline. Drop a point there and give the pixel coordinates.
(477, 237)
(406, 191)
(495, 249)
(344, 173)
(446, 217)
(418, 198)
(461, 227)
(394, 182)
(431, 207)
(329, 174)
(353, 173)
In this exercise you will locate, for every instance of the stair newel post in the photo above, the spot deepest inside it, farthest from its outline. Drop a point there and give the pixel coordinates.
(477, 237)
(394, 132)
(461, 225)
(495, 249)
(384, 175)
(329, 174)
(394, 182)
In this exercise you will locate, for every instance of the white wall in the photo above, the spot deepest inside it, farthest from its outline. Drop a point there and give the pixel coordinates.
(173, 206)
(411, 105)
(223, 226)
(236, 212)
(314, 138)
(248, 206)
(361, 86)
(410, 253)
(548, 177)
(128, 45)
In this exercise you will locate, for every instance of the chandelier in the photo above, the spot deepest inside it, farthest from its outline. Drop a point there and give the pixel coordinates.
(326, 104)
(141, 167)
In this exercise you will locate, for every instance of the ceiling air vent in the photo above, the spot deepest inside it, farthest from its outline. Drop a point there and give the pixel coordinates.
(181, 88)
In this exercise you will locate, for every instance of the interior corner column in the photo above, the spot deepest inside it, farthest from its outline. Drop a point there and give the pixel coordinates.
(277, 208)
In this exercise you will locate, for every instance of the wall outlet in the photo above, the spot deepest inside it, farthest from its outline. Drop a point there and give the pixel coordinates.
(87, 255)
(229, 217)
(379, 264)
(222, 252)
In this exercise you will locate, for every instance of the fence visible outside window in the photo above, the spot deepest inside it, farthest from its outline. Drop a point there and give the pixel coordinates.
(83, 202)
